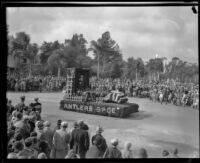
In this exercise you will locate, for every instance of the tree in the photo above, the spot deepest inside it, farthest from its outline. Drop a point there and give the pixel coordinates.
(57, 60)
(47, 49)
(105, 50)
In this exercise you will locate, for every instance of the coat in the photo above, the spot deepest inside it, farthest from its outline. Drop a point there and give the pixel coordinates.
(112, 152)
(48, 134)
(82, 140)
(61, 143)
(73, 144)
(100, 143)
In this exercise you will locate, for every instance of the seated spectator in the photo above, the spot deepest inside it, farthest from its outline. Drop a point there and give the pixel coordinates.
(113, 151)
(127, 152)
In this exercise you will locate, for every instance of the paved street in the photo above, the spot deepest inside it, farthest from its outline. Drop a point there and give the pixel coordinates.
(154, 127)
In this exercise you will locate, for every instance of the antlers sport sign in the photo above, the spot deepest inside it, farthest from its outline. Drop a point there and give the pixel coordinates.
(106, 109)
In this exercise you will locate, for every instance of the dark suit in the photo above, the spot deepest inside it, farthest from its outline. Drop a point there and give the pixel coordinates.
(100, 143)
(83, 142)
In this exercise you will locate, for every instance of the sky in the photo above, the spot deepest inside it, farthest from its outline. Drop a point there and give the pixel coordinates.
(139, 31)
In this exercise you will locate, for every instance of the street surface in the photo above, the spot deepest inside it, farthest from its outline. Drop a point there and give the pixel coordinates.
(155, 127)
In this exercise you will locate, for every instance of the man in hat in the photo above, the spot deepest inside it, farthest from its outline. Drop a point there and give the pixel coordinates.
(48, 133)
(10, 107)
(19, 107)
(61, 141)
(28, 150)
(40, 131)
(113, 151)
(37, 105)
(100, 140)
(58, 127)
(73, 145)
(82, 139)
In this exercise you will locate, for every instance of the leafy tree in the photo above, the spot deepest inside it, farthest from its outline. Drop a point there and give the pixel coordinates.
(57, 61)
(105, 50)
(47, 49)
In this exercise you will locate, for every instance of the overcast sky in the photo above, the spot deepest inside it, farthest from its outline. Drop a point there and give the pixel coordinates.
(139, 31)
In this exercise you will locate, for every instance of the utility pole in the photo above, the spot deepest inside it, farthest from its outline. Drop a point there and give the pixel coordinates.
(98, 67)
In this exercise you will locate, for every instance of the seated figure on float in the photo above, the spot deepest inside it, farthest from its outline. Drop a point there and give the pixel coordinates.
(115, 96)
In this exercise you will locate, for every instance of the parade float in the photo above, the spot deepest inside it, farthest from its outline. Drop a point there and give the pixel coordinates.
(78, 81)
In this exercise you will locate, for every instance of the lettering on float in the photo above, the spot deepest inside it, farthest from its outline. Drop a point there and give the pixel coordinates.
(76, 107)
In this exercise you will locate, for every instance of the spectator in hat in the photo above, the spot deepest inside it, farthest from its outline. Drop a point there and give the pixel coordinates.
(19, 107)
(40, 131)
(10, 148)
(28, 150)
(37, 105)
(33, 115)
(48, 133)
(35, 143)
(73, 145)
(10, 107)
(82, 139)
(17, 147)
(25, 111)
(33, 134)
(61, 141)
(113, 151)
(18, 123)
(26, 127)
(142, 153)
(58, 126)
(31, 124)
(44, 148)
(127, 152)
(100, 140)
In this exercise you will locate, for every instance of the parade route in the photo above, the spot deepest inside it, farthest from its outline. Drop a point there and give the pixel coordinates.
(156, 126)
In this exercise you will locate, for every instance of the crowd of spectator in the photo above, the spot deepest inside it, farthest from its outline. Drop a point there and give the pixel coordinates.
(40, 83)
(30, 137)
(166, 91)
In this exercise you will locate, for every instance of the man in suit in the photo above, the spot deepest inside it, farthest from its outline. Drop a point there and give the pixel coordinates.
(82, 139)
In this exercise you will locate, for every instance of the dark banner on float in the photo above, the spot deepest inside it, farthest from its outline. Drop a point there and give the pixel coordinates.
(106, 109)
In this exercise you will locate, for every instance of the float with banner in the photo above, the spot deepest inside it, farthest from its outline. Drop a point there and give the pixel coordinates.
(79, 98)
(105, 109)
